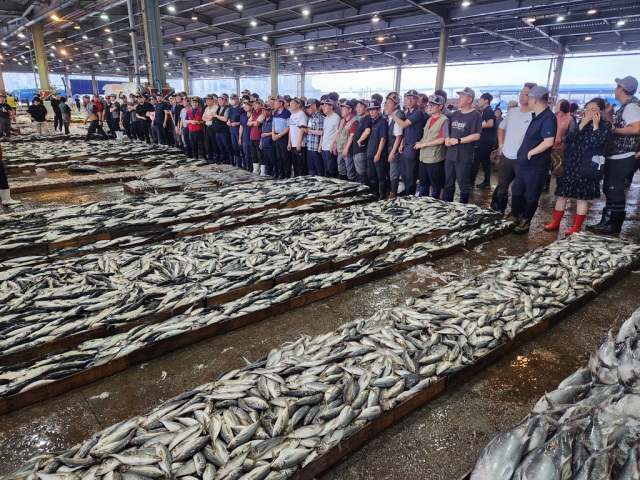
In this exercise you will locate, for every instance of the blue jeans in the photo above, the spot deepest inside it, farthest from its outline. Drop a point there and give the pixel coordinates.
(330, 164)
(224, 142)
(234, 144)
(160, 134)
(315, 163)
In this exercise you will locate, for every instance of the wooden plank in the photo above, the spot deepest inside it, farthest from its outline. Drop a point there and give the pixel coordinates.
(368, 277)
(306, 299)
(337, 265)
(300, 274)
(480, 363)
(79, 241)
(432, 235)
(242, 321)
(155, 318)
(50, 390)
(25, 252)
(237, 293)
(395, 246)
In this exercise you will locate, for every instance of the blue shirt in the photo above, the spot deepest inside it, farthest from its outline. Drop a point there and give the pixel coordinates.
(413, 133)
(246, 130)
(160, 108)
(234, 117)
(267, 125)
(281, 120)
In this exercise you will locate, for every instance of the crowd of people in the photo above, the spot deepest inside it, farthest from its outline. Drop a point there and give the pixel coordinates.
(429, 142)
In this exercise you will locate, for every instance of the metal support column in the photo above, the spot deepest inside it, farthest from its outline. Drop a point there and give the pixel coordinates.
(41, 55)
(238, 84)
(274, 71)
(134, 44)
(94, 82)
(303, 80)
(153, 43)
(557, 74)
(1, 80)
(67, 87)
(130, 72)
(398, 81)
(185, 74)
(442, 57)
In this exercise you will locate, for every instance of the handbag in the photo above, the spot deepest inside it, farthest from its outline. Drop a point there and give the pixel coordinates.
(592, 162)
(557, 159)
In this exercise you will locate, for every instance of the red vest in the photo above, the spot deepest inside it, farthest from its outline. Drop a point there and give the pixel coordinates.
(193, 127)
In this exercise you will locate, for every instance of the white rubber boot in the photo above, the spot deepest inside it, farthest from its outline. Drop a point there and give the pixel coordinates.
(256, 168)
(263, 170)
(5, 195)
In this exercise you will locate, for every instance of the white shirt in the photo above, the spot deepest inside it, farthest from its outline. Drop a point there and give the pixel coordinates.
(330, 128)
(209, 111)
(397, 129)
(515, 126)
(631, 114)
(295, 121)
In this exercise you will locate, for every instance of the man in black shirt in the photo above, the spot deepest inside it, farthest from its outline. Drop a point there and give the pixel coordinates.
(6, 113)
(78, 102)
(141, 114)
(161, 118)
(125, 117)
(114, 113)
(38, 114)
(359, 144)
(57, 114)
(484, 147)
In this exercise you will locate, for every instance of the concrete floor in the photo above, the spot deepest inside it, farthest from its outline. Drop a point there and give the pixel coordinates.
(441, 440)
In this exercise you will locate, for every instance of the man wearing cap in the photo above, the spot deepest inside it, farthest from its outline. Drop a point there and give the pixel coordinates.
(160, 118)
(223, 136)
(57, 115)
(38, 114)
(136, 131)
(114, 113)
(245, 92)
(620, 157)
(176, 110)
(267, 143)
(412, 127)
(445, 111)
(143, 110)
(360, 142)
(235, 111)
(377, 152)
(484, 146)
(466, 126)
(534, 161)
(255, 122)
(432, 149)
(183, 127)
(213, 150)
(281, 118)
(66, 114)
(125, 117)
(297, 141)
(395, 134)
(343, 140)
(330, 127)
(6, 114)
(195, 123)
(244, 140)
(510, 135)
(93, 114)
(512, 104)
(315, 133)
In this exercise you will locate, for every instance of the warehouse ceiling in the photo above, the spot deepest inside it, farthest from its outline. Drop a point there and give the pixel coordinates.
(227, 38)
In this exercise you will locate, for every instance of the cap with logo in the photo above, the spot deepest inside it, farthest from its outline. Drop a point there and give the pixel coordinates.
(539, 92)
(310, 101)
(412, 93)
(266, 106)
(436, 99)
(373, 105)
(159, 94)
(630, 84)
(350, 104)
(468, 91)
(394, 97)
(233, 95)
(245, 91)
(297, 100)
(328, 101)
(362, 102)
(225, 96)
(279, 98)
(113, 95)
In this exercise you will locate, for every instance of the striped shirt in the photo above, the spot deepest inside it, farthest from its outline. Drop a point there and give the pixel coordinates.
(316, 122)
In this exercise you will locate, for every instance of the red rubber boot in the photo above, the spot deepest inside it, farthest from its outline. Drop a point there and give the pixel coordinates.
(557, 218)
(577, 224)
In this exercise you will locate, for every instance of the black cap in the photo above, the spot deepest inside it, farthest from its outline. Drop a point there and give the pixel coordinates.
(311, 101)
(266, 106)
(279, 98)
(411, 93)
(328, 101)
(436, 99)
(350, 104)
(373, 105)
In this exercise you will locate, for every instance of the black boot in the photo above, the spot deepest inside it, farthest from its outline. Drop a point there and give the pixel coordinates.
(343, 177)
(614, 225)
(517, 208)
(375, 187)
(383, 191)
(606, 217)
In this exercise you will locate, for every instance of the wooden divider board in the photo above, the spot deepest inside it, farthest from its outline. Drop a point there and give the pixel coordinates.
(199, 334)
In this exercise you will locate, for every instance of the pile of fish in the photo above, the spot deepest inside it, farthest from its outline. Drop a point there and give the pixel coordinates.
(48, 151)
(97, 352)
(21, 230)
(50, 301)
(217, 175)
(276, 415)
(588, 428)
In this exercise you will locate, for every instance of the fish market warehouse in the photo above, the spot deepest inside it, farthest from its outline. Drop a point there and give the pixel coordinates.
(211, 268)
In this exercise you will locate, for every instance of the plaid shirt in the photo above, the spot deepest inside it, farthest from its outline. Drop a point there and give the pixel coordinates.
(316, 122)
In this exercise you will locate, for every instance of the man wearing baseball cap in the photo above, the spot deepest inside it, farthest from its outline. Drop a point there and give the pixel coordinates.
(143, 110)
(235, 111)
(511, 104)
(255, 123)
(620, 158)
(412, 127)
(343, 141)
(534, 161)
(466, 126)
(213, 150)
(114, 113)
(195, 124)
(331, 121)
(297, 142)
(267, 145)
(315, 126)
(281, 118)
(360, 140)
(377, 151)
(484, 146)
(432, 149)
(395, 134)
(244, 138)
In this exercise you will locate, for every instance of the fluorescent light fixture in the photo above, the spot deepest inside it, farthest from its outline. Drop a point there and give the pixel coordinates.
(21, 35)
(295, 58)
(531, 19)
(311, 47)
(375, 18)
(463, 40)
(380, 39)
(178, 39)
(305, 11)
(622, 21)
(239, 6)
(111, 51)
(226, 44)
(254, 23)
(362, 59)
(104, 16)
(466, 3)
(265, 38)
(592, 11)
(194, 17)
(172, 8)
(299, 64)
(55, 17)
(108, 30)
(76, 26)
(588, 37)
(560, 18)
(110, 39)
(85, 37)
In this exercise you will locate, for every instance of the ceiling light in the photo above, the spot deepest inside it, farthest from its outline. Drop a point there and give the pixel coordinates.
(404, 54)
(172, 8)
(622, 21)
(206, 60)
(64, 52)
(76, 26)
(592, 11)
(110, 39)
(76, 48)
(531, 19)
(49, 54)
(588, 37)
(178, 39)
(295, 58)
(375, 18)
(463, 40)
(380, 39)
(410, 45)
(111, 51)
(305, 11)
(117, 69)
(104, 16)
(262, 55)
(244, 63)
(96, 55)
(311, 47)
(255, 54)
(55, 17)
(239, 6)
(362, 59)
(4, 44)
(194, 17)
(466, 3)
(253, 23)
(299, 64)
(21, 35)
(265, 38)
(53, 47)
(108, 30)
(85, 37)
(560, 18)
(170, 52)
(226, 44)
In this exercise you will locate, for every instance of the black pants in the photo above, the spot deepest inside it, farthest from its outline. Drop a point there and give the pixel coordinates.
(378, 175)
(283, 157)
(114, 126)
(160, 134)
(223, 138)
(268, 157)
(145, 128)
(95, 126)
(197, 142)
(256, 152)
(525, 192)
(213, 150)
(57, 120)
(4, 184)
(187, 142)
(482, 157)
(127, 129)
(457, 171)
(299, 160)
(432, 175)
(5, 126)
(507, 170)
(613, 185)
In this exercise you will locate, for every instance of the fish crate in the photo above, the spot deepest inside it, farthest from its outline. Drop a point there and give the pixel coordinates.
(237, 293)
(300, 274)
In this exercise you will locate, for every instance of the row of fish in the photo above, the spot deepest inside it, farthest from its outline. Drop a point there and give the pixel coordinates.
(96, 352)
(226, 222)
(160, 160)
(586, 429)
(22, 230)
(216, 176)
(46, 302)
(276, 415)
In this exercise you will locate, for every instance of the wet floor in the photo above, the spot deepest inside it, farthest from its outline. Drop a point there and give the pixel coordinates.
(440, 440)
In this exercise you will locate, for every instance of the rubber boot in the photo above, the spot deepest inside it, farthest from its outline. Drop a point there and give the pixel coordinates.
(517, 208)
(383, 191)
(375, 188)
(502, 204)
(494, 202)
(577, 224)
(263, 170)
(5, 195)
(394, 187)
(606, 217)
(448, 197)
(464, 198)
(435, 194)
(365, 178)
(256, 168)
(530, 210)
(557, 218)
(423, 192)
(343, 177)
(409, 190)
(613, 226)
